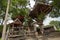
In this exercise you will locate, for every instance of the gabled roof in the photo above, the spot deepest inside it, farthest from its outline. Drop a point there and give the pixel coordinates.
(40, 8)
(21, 18)
(17, 21)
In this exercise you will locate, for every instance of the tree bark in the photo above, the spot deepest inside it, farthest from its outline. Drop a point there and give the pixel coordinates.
(5, 22)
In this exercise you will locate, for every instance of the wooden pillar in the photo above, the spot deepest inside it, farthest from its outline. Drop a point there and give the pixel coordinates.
(12, 28)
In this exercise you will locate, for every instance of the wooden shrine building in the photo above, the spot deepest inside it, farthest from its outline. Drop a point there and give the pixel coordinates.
(16, 31)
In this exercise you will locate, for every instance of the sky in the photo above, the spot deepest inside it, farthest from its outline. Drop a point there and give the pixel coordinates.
(32, 3)
(49, 19)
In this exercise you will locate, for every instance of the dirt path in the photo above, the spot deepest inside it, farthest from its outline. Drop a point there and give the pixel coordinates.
(51, 36)
(54, 36)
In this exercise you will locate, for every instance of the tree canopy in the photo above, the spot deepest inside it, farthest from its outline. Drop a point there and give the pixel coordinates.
(17, 7)
(56, 8)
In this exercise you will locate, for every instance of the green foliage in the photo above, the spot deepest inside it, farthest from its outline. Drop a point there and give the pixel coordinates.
(3, 4)
(54, 14)
(56, 8)
(56, 3)
(41, 16)
(20, 2)
(17, 7)
(22, 11)
(56, 24)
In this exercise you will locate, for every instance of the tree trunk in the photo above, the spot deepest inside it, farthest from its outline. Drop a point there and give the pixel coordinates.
(5, 22)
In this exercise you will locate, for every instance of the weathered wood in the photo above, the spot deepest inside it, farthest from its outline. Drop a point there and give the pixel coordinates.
(40, 9)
